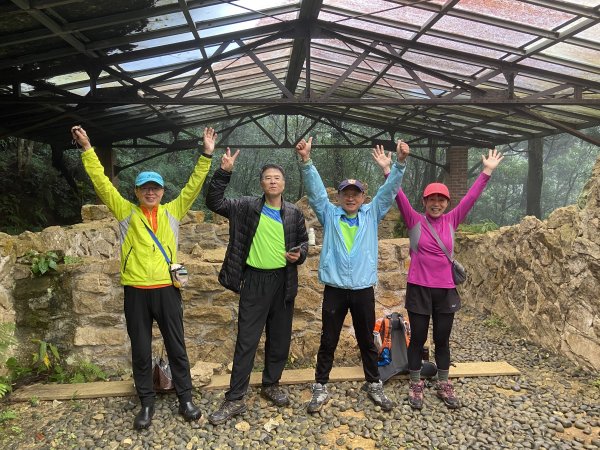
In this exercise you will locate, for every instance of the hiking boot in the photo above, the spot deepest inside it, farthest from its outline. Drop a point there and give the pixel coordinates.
(275, 394)
(415, 394)
(375, 393)
(445, 391)
(143, 418)
(228, 409)
(189, 411)
(320, 395)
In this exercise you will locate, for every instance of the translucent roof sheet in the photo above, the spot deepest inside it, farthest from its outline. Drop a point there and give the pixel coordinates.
(470, 72)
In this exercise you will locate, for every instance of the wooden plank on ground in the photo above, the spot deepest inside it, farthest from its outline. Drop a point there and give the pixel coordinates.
(471, 369)
(74, 391)
(298, 376)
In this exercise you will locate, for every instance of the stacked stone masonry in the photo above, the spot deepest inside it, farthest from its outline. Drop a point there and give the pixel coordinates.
(540, 277)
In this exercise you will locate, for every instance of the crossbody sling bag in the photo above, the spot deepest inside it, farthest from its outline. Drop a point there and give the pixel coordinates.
(179, 274)
(459, 274)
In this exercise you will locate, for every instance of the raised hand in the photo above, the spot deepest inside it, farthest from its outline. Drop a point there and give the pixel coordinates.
(80, 136)
(228, 160)
(491, 162)
(383, 160)
(209, 138)
(402, 150)
(303, 149)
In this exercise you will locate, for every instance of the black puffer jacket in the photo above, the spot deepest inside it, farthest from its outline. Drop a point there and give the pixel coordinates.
(243, 214)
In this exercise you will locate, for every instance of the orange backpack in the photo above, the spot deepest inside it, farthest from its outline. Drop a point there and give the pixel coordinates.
(382, 335)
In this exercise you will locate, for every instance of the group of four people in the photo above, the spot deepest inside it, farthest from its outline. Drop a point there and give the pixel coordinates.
(267, 241)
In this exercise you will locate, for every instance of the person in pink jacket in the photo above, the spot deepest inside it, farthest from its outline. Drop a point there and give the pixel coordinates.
(430, 290)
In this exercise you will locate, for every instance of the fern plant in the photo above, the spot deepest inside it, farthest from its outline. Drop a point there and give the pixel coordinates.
(85, 372)
(7, 338)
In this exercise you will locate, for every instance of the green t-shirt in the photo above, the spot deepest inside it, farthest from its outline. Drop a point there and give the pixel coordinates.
(268, 246)
(349, 227)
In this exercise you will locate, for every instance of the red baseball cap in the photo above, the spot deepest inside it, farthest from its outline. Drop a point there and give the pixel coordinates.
(436, 188)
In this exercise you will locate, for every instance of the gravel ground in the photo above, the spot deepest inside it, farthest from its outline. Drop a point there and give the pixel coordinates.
(551, 405)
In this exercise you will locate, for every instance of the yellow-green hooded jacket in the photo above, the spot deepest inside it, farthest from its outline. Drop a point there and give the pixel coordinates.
(142, 262)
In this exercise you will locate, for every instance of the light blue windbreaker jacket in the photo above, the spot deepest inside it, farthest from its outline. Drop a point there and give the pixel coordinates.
(337, 267)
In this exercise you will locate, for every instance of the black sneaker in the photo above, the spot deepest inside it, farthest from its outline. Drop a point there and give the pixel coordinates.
(228, 409)
(275, 394)
(320, 396)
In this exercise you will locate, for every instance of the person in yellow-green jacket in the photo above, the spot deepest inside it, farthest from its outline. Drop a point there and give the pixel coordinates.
(145, 273)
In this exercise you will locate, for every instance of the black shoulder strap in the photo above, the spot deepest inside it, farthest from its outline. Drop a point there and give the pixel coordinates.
(395, 320)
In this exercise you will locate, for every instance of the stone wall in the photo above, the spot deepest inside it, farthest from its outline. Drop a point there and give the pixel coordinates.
(543, 277)
(80, 308)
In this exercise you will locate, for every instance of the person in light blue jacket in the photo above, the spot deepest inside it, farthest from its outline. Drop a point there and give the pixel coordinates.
(348, 267)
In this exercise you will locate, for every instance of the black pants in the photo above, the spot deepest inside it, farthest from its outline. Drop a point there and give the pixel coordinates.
(336, 303)
(262, 302)
(419, 326)
(142, 306)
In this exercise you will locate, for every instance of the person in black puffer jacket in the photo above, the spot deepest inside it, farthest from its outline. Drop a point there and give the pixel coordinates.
(267, 241)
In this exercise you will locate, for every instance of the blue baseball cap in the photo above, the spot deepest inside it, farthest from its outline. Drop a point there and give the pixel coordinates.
(351, 182)
(149, 177)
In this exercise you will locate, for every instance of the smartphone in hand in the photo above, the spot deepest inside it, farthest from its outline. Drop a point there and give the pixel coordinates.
(296, 249)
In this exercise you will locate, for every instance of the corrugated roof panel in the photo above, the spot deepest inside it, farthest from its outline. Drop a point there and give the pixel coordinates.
(484, 32)
(575, 53)
(537, 16)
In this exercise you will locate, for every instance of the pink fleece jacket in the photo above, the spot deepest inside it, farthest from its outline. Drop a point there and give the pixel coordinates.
(429, 265)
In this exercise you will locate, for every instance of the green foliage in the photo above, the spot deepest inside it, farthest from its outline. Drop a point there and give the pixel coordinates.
(7, 338)
(85, 371)
(36, 195)
(494, 321)
(34, 401)
(478, 228)
(596, 383)
(7, 415)
(5, 386)
(47, 363)
(41, 262)
(46, 357)
(72, 260)
(17, 370)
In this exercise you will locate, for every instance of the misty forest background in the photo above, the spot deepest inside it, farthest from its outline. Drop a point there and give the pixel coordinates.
(36, 195)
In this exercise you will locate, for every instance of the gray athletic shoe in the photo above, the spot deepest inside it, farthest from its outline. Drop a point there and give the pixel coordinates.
(320, 395)
(375, 393)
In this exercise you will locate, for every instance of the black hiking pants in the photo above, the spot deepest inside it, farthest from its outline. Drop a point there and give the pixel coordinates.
(336, 303)
(142, 307)
(262, 306)
(419, 327)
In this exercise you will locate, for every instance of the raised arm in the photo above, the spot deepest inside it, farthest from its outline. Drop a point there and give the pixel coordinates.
(465, 205)
(384, 161)
(386, 193)
(492, 161)
(315, 189)
(215, 197)
(183, 202)
(106, 191)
